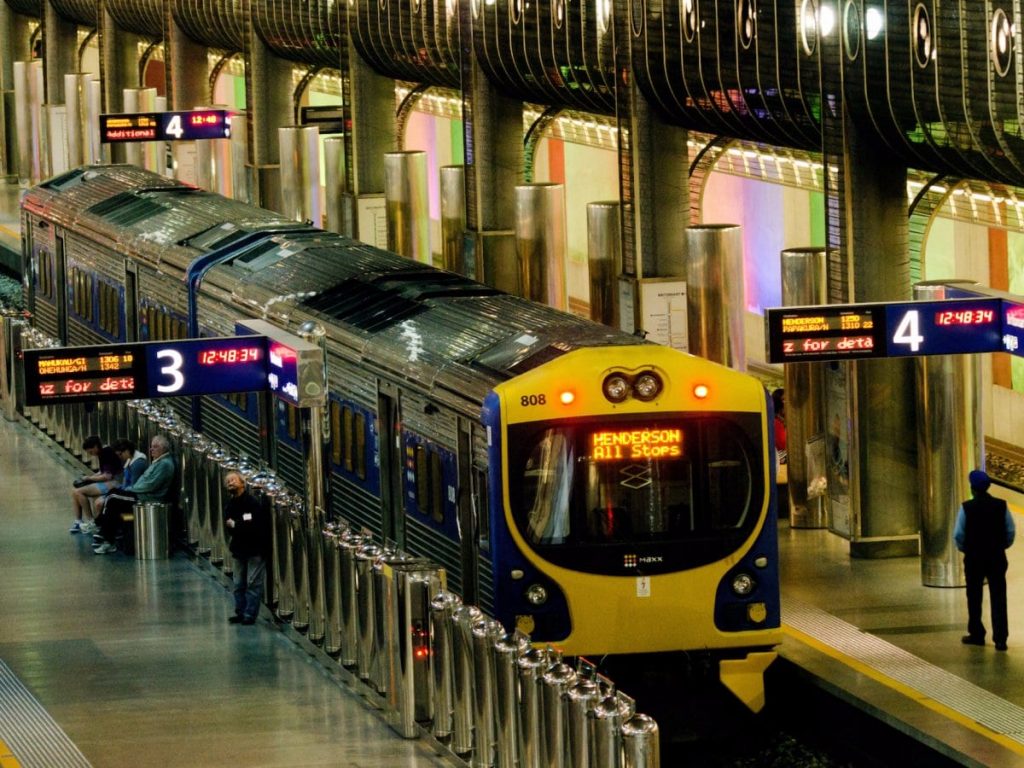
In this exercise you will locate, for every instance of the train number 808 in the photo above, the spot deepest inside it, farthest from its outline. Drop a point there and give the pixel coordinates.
(527, 400)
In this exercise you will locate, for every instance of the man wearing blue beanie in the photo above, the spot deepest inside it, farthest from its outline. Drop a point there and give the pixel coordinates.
(984, 531)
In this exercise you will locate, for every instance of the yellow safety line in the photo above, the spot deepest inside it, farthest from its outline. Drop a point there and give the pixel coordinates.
(7, 760)
(906, 690)
(12, 232)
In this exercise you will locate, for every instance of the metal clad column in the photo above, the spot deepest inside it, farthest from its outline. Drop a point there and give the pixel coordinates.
(300, 172)
(76, 94)
(805, 281)
(715, 297)
(407, 206)
(950, 443)
(241, 171)
(453, 218)
(152, 151)
(133, 153)
(604, 255)
(337, 216)
(96, 151)
(541, 243)
(23, 122)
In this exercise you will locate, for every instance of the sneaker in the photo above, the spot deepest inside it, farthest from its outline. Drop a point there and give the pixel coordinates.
(76, 527)
(972, 640)
(1000, 646)
(105, 548)
(236, 619)
(98, 538)
(89, 527)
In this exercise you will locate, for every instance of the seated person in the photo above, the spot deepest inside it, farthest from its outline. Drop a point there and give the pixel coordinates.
(156, 484)
(133, 464)
(92, 486)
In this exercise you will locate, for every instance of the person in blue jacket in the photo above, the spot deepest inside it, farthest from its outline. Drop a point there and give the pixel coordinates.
(984, 531)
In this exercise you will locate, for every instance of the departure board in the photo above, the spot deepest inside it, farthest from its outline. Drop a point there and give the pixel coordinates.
(145, 370)
(808, 334)
(908, 328)
(165, 126)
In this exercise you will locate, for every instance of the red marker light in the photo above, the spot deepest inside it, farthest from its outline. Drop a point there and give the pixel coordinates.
(700, 391)
(567, 397)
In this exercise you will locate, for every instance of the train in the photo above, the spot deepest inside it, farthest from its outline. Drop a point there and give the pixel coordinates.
(608, 496)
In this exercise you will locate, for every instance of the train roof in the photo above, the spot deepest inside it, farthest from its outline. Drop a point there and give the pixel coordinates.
(427, 324)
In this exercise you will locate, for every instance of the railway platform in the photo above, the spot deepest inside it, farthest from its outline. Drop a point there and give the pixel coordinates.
(111, 661)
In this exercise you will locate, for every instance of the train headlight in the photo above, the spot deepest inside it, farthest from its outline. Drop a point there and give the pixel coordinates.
(616, 387)
(743, 584)
(536, 594)
(647, 386)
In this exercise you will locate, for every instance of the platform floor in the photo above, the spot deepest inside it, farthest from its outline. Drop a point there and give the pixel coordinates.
(135, 662)
(874, 634)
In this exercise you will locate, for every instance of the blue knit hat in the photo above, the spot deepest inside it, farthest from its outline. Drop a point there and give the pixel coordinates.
(979, 480)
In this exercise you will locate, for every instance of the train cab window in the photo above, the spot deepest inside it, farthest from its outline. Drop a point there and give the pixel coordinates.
(691, 483)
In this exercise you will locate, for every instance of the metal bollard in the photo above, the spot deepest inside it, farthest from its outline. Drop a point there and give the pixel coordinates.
(485, 633)
(300, 564)
(507, 649)
(384, 619)
(579, 700)
(365, 558)
(152, 541)
(640, 743)
(607, 717)
(462, 673)
(532, 664)
(349, 543)
(332, 586)
(442, 608)
(556, 681)
(284, 583)
(413, 585)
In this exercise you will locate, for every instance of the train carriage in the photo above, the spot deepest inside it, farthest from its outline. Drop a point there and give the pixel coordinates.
(604, 494)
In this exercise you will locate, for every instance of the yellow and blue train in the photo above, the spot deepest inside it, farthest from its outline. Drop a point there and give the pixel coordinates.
(607, 495)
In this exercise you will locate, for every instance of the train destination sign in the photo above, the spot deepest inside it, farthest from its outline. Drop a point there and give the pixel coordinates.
(145, 370)
(908, 328)
(165, 126)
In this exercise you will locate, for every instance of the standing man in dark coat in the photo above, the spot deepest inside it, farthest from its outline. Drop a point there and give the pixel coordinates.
(984, 531)
(245, 522)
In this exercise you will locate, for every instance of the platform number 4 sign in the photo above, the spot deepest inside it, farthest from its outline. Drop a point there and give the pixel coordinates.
(909, 331)
(174, 127)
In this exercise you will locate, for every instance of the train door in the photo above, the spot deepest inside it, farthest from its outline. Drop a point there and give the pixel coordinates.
(131, 301)
(61, 292)
(391, 463)
(467, 515)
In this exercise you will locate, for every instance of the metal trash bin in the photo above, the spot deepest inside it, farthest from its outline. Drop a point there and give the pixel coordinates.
(152, 526)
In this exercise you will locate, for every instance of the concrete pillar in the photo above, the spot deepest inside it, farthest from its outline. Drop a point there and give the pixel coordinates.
(188, 72)
(883, 442)
(14, 46)
(369, 102)
(60, 51)
(269, 107)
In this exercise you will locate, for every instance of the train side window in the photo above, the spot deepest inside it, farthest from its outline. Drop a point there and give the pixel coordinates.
(87, 299)
(348, 437)
(45, 282)
(436, 488)
(482, 500)
(360, 446)
(104, 320)
(335, 433)
(422, 480)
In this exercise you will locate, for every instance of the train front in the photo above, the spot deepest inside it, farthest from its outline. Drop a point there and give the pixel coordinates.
(632, 510)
